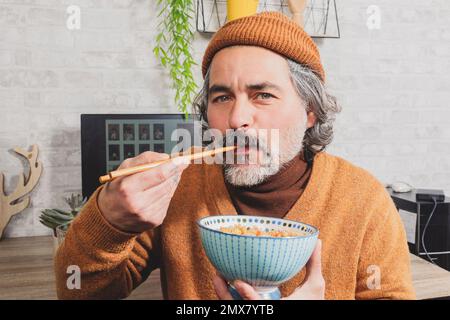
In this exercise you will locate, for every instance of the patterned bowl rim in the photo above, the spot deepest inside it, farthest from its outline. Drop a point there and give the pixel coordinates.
(314, 234)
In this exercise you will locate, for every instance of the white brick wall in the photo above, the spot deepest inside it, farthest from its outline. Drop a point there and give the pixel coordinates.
(393, 84)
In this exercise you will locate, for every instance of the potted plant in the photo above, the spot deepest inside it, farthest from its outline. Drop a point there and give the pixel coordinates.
(59, 220)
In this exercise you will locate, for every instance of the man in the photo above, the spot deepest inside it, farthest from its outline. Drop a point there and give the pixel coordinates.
(261, 72)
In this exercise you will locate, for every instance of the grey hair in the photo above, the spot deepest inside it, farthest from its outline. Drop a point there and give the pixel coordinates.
(311, 89)
(319, 101)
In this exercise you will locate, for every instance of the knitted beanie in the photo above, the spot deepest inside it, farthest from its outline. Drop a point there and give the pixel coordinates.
(270, 30)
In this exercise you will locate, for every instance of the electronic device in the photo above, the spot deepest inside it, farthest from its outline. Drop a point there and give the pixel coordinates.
(427, 224)
(401, 187)
(429, 195)
(108, 139)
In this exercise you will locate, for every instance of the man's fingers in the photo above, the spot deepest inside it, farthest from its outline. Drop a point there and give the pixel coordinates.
(314, 265)
(220, 286)
(158, 175)
(163, 192)
(314, 278)
(313, 287)
(145, 180)
(143, 158)
(246, 291)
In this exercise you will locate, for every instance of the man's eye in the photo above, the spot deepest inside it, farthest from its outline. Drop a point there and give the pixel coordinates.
(264, 95)
(221, 99)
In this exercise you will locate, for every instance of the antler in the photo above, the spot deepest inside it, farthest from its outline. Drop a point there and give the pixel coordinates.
(19, 199)
(297, 8)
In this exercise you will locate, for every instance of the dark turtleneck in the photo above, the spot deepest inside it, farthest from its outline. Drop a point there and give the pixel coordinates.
(276, 195)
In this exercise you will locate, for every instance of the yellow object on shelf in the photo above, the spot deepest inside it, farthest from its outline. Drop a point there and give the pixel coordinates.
(241, 8)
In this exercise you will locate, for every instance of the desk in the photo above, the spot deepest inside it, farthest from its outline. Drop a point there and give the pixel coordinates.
(26, 272)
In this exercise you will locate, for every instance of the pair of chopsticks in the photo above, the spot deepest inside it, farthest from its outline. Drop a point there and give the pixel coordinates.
(144, 167)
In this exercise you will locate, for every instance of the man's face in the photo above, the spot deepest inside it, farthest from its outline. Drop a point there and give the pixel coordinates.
(250, 88)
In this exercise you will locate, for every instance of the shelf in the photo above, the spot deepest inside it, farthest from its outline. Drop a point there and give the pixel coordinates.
(321, 16)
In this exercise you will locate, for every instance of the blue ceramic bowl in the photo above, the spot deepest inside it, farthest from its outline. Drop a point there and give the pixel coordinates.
(263, 262)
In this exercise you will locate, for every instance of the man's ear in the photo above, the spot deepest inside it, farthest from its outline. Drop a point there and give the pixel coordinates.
(311, 119)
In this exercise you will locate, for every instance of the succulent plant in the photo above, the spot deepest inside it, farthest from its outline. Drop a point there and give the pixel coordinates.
(53, 218)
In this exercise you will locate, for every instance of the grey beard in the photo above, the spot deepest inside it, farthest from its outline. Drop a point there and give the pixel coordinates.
(291, 144)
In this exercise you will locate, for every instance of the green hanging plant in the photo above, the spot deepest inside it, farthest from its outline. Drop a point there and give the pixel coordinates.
(173, 48)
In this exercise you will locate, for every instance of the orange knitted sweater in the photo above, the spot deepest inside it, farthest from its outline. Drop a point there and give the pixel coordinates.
(361, 231)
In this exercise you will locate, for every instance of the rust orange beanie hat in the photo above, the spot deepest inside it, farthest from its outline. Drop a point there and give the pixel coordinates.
(270, 30)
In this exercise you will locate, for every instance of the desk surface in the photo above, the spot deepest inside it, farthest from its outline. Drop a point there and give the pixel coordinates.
(26, 272)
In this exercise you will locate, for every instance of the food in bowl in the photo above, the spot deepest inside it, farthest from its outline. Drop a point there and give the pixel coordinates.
(264, 262)
(255, 231)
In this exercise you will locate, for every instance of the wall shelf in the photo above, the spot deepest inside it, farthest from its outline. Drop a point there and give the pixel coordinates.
(321, 16)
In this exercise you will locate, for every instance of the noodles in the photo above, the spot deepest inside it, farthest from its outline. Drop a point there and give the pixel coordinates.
(254, 231)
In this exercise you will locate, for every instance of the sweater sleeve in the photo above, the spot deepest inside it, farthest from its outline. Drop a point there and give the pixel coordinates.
(111, 262)
(384, 264)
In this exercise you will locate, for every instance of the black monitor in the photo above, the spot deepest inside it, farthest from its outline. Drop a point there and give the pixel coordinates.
(108, 139)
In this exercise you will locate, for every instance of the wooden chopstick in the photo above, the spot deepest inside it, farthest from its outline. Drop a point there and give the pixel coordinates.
(144, 167)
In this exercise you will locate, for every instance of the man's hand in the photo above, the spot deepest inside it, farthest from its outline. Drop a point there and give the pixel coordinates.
(313, 287)
(140, 201)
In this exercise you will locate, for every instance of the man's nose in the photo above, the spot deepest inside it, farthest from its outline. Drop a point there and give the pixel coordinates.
(241, 115)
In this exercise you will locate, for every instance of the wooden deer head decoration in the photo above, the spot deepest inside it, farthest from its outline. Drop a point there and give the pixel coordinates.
(297, 8)
(19, 199)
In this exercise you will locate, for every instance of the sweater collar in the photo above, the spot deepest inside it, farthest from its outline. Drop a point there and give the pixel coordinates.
(274, 196)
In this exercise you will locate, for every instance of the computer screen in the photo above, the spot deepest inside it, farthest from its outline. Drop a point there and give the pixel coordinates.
(108, 139)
